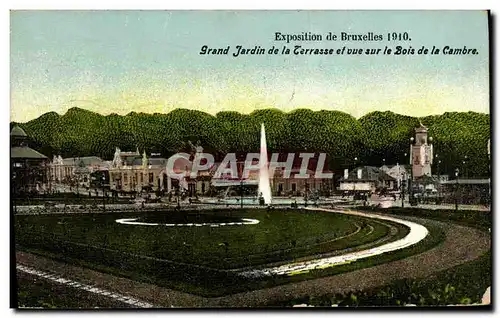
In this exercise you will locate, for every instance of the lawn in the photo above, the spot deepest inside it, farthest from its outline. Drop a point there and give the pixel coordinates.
(279, 235)
(196, 259)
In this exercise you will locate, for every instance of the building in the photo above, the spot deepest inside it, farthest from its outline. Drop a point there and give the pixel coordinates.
(421, 153)
(28, 166)
(293, 186)
(398, 172)
(131, 172)
(76, 171)
(280, 184)
(367, 179)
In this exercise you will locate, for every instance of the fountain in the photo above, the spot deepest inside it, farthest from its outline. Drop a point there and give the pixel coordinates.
(264, 184)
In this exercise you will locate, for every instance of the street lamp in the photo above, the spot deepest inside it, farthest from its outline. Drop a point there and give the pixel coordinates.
(456, 189)
(439, 177)
(464, 162)
(489, 172)
(438, 162)
(405, 179)
(103, 193)
(402, 187)
(241, 193)
(410, 180)
(354, 181)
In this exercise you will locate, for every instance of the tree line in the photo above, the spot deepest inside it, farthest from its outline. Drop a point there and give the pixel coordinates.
(460, 138)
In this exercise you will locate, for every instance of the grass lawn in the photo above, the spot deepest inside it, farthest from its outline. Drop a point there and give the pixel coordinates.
(478, 219)
(280, 235)
(196, 259)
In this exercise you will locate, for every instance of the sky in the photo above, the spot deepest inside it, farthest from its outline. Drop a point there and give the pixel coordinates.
(149, 61)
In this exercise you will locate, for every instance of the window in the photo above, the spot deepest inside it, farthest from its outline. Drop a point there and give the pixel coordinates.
(294, 187)
(125, 177)
(142, 178)
(151, 177)
(416, 160)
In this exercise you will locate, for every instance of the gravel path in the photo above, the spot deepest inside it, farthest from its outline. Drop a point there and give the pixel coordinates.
(64, 295)
(461, 244)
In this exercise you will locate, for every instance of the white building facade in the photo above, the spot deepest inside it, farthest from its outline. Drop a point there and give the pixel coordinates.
(75, 171)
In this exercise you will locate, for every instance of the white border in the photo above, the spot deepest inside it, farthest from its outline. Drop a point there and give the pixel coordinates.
(216, 4)
(134, 222)
(89, 288)
(417, 233)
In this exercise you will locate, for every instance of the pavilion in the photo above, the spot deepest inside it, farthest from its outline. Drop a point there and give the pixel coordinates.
(28, 166)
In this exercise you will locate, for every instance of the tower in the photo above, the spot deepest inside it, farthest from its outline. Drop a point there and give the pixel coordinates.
(117, 160)
(421, 153)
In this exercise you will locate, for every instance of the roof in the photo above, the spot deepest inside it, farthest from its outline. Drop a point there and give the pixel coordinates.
(87, 161)
(157, 161)
(388, 167)
(137, 161)
(25, 153)
(421, 128)
(18, 132)
(132, 160)
(129, 153)
(368, 173)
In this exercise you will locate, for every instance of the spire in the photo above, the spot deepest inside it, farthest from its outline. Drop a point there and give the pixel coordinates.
(117, 160)
(199, 149)
(144, 159)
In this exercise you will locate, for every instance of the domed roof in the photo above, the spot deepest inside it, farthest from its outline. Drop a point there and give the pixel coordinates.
(18, 132)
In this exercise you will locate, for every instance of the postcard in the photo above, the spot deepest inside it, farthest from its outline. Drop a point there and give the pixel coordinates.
(250, 159)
